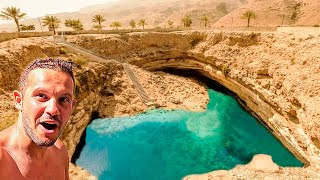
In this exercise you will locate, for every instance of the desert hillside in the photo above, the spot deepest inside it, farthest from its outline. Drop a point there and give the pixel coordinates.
(156, 13)
(271, 13)
(220, 13)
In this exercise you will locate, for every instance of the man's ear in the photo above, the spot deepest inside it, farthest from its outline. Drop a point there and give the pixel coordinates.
(17, 99)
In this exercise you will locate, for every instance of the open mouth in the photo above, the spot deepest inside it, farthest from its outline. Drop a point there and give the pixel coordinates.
(48, 126)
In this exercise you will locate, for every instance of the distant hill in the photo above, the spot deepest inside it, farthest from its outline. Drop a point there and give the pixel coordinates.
(226, 13)
(271, 13)
(156, 13)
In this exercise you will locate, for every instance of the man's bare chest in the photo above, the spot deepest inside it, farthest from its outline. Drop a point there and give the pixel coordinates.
(13, 169)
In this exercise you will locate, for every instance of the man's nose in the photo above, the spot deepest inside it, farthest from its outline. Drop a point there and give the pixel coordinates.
(52, 107)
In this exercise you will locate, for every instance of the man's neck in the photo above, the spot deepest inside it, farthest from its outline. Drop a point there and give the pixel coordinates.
(21, 141)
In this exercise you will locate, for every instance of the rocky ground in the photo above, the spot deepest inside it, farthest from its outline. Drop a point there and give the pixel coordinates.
(276, 75)
(261, 167)
(103, 88)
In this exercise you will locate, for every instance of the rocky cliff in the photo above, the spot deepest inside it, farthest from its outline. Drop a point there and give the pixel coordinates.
(273, 74)
(274, 13)
(102, 88)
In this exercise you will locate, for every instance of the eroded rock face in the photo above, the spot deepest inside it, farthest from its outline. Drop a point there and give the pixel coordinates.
(102, 89)
(274, 74)
(105, 91)
(261, 167)
(78, 173)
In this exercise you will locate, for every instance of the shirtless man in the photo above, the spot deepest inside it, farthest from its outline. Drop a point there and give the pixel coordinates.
(30, 149)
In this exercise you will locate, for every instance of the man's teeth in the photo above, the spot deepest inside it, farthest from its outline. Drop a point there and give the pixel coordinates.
(49, 122)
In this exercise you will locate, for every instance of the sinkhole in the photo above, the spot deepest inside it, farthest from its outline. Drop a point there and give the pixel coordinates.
(163, 144)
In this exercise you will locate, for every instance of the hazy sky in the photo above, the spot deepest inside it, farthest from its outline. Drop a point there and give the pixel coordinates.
(36, 8)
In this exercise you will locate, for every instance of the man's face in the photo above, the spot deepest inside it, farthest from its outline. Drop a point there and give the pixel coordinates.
(47, 104)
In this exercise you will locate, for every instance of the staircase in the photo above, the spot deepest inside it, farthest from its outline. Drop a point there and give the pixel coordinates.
(94, 56)
(89, 54)
(143, 95)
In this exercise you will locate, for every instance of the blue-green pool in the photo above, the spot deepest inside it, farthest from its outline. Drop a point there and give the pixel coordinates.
(168, 145)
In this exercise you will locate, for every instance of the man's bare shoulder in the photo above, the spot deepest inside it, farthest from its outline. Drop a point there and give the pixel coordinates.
(63, 153)
(59, 144)
(61, 148)
(1, 149)
(4, 136)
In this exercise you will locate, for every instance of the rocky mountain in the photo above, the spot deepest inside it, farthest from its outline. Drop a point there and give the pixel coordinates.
(220, 13)
(271, 13)
(156, 13)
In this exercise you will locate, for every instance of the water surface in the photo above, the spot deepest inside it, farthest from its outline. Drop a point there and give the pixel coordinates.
(169, 145)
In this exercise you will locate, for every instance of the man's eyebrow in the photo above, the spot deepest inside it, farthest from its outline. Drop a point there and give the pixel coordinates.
(68, 94)
(42, 89)
(39, 89)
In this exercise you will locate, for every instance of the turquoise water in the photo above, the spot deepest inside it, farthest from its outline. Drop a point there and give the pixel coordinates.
(168, 145)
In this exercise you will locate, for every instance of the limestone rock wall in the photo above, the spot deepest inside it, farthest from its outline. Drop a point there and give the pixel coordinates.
(260, 167)
(275, 74)
(102, 88)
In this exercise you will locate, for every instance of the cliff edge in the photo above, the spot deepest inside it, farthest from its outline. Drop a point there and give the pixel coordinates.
(274, 75)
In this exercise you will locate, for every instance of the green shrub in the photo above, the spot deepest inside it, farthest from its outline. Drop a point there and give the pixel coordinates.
(79, 60)
(225, 70)
(63, 51)
(253, 35)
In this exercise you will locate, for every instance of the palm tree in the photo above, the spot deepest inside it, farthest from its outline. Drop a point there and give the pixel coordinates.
(142, 23)
(12, 13)
(132, 23)
(205, 20)
(98, 19)
(116, 25)
(75, 24)
(52, 22)
(249, 14)
(170, 24)
(27, 27)
(68, 22)
(186, 21)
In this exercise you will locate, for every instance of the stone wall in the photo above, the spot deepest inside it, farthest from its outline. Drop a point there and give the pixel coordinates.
(9, 36)
(303, 30)
(120, 31)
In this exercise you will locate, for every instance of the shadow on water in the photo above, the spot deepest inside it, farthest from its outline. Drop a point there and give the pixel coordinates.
(202, 79)
(82, 143)
(214, 85)
(107, 108)
(209, 84)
